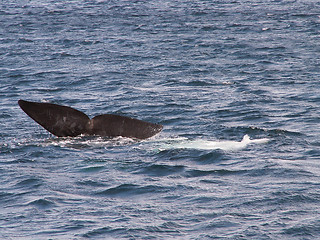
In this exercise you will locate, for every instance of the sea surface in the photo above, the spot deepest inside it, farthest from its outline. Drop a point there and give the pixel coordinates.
(236, 85)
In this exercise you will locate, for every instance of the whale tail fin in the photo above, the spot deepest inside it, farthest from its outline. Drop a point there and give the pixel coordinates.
(64, 121)
(61, 121)
(114, 125)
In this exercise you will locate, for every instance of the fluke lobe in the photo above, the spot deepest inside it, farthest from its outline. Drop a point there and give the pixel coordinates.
(64, 121)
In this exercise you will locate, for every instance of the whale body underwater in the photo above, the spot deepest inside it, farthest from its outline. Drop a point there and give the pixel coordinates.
(64, 121)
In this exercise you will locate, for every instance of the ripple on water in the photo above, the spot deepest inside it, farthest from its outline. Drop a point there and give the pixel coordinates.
(130, 190)
(42, 203)
(30, 183)
(159, 170)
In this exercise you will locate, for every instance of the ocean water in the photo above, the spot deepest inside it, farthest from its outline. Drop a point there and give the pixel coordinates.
(235, 84)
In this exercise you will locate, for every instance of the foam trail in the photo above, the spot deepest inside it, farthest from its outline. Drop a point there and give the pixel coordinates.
(88, 141)
(212, 145)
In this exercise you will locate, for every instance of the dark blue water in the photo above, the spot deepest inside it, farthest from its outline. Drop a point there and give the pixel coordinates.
(209, 71)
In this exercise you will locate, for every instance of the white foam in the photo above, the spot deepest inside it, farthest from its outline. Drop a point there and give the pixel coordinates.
(84, 142)
(161, 144)
(212, 145)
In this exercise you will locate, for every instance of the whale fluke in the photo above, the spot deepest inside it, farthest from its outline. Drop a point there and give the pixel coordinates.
(63, 121)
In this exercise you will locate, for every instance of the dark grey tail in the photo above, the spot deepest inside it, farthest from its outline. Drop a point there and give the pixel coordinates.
(114, 125)
(61, 121)
(64, 121)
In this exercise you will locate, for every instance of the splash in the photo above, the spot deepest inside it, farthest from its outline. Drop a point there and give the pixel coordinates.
(83, 142)
(211, 145)
(161, 144)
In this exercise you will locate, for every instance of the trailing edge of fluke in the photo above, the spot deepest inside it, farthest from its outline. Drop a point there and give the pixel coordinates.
(63, 121)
